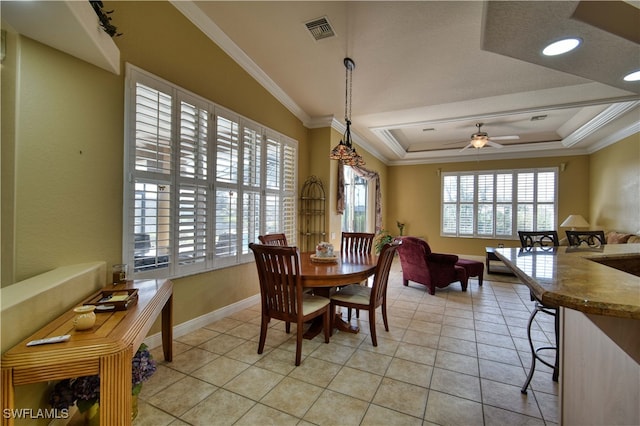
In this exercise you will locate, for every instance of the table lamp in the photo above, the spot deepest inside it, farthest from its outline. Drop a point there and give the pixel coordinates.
(575, 221)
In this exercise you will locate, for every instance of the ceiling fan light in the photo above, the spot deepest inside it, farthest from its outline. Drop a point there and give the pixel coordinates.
(479, 141)
(634, 76)
(561, 46)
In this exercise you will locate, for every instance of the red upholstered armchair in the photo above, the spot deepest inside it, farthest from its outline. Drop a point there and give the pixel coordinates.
(432, 270)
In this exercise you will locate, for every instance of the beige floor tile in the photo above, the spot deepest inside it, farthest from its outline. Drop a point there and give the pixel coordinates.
(356, 383)
(292, 396)
(219, 371)
(500, 372)
(494, 416)
(457, 384)
(246, 331)
(447, 409)
(416, 353)
(222, 344)
(197, 337)
(509, 397)
(316, 371)
(403, 397)
(377, 416)
(369, 361)
(182, 395)
(456, 332)
(192, 359)
(247, 352)
(333, 352)
(254, 382)
(163, 377)
(495, 339)
(549, 406)
(333, 408)
(459, 346)
(425, 326)
(421, 339)
(220, 408)
(495, 353)
(457, 362)
(278, 361)
(266, 416)
(148, 415)
(491, 327)
(386, 344)
(410, 372)
(223, 325)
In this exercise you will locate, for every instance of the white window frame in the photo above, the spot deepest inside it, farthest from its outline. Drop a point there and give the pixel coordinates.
(195, 218)
(453, 206)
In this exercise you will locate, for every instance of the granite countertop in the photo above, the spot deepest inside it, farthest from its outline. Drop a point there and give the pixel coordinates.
(581, 278)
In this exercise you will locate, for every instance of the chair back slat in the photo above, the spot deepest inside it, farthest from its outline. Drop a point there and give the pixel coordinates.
(590, 238)
(538, 239)
(357, 242)
(273, 239)
(381, 275)
(280, 280)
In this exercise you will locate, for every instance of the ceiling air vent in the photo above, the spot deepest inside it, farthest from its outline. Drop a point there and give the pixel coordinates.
(320, 28)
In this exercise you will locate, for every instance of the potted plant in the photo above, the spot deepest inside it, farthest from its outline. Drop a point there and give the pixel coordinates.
(382, 237)
(85, 391)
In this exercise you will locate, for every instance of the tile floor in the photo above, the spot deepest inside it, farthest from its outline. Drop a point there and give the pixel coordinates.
(450, 359)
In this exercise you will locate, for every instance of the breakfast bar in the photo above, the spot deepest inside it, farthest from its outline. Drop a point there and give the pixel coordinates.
(597, 290)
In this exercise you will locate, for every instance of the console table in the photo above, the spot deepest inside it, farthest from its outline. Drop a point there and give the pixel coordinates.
(106, 349)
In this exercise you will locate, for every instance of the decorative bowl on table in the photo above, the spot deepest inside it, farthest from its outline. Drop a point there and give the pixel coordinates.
(324, 253)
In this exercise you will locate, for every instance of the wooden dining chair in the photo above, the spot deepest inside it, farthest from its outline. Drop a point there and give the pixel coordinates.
(590, 238)
(282, 294)
(529, 239)
(356, 243)
(369, 298)
(273, 239)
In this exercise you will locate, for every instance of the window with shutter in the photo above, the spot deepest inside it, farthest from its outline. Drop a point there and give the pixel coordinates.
(483, 204)
(202, 181)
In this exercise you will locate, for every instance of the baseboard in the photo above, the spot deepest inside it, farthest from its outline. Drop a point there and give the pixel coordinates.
(155, 340)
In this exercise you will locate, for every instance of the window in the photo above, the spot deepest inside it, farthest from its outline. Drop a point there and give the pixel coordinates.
(201, 181)
(497, 204)
(354, 218)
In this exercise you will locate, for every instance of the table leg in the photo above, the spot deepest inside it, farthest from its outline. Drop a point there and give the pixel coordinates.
(115, 388)
(167, 330)
(7, 395)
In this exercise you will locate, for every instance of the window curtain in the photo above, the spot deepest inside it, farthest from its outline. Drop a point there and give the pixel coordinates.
(370, 176)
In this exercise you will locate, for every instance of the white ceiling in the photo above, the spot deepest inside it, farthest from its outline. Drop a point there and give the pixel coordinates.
(444, 66)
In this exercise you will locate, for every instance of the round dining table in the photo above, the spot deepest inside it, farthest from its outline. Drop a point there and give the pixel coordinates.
(325, 276)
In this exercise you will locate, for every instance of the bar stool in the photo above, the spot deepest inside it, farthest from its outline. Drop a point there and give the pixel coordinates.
(541, 239)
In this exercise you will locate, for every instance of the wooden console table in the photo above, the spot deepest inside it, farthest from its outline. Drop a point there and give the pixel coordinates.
(107, 349)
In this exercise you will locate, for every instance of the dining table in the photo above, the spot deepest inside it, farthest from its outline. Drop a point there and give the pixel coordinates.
(325, 276)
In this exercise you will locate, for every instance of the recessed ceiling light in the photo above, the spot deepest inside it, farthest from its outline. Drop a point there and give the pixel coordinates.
(634, 76)
(561, 46)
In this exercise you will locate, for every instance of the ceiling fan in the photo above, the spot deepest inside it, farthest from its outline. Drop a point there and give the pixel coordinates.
(480, 139)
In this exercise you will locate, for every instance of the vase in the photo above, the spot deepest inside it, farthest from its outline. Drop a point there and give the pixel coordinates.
(92, 415)
(134, 407)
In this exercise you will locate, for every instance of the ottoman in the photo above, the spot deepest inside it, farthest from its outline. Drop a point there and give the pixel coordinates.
(473, 268)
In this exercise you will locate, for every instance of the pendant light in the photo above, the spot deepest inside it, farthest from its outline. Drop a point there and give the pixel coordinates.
(345, 151)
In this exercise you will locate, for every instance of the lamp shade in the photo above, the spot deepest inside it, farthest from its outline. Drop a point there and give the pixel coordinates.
(575, 221)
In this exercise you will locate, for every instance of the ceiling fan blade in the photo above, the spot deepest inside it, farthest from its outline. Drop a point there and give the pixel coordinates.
(468, 146)
(495, 145)
(505, 138)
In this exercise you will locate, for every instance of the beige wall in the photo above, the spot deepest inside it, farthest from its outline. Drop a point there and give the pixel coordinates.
(615, 187)
(414, 198)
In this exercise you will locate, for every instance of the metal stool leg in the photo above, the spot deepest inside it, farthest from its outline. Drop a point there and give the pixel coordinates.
(534, 351)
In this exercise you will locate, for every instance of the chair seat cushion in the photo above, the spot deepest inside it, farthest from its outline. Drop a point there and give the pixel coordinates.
(354, 293)
(311, 303)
